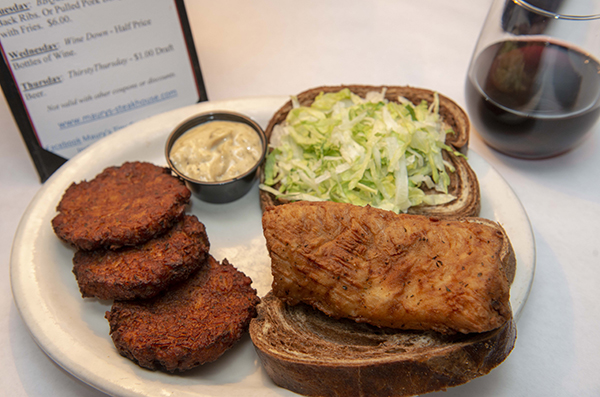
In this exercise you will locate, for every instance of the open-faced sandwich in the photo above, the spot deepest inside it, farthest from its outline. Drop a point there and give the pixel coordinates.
(366, 302)
(398, 148)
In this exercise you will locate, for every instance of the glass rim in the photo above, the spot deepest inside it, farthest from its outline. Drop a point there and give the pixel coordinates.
(546, 13)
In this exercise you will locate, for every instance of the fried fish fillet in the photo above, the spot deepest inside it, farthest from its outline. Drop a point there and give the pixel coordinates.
(389, 270)
(144, 270)
(189, 325)
(122, 206)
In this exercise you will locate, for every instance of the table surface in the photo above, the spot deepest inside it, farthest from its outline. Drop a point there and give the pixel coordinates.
(266, 48)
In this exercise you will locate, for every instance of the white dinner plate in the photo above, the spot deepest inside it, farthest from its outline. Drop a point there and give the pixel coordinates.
(73, 330)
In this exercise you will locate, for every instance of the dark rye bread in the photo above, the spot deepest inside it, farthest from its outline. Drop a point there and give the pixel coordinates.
(307, 352)
(464, 184)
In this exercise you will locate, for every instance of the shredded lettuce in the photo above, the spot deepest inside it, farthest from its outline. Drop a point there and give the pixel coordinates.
(361, 151)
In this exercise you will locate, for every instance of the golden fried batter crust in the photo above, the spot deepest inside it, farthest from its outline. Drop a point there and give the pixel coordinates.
(189, 325)
(400, 271)
(122, 206)
(145, 270)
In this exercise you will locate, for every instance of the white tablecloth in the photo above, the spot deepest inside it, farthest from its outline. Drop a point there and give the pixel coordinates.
(264, 48)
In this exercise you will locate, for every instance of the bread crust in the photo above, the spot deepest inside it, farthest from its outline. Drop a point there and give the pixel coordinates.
(309, 353)
(464, 184)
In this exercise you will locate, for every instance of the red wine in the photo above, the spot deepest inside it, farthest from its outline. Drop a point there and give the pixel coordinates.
(533, 99)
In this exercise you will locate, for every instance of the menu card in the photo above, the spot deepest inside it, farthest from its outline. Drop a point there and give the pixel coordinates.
(75, 71)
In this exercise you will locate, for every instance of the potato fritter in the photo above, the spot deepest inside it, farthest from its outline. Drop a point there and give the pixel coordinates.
(399, 271)
(189, 325)
(145, 270)
(122, 206)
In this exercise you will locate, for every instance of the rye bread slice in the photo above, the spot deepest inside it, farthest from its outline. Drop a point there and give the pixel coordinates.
(309, 353)
(464, 185)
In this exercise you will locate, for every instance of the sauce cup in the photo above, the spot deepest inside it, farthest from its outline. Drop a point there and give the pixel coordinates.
(224, 191)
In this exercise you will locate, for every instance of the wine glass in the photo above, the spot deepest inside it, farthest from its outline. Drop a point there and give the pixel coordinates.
(533, 84)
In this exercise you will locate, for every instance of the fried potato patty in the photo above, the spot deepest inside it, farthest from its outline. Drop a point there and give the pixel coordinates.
(189, 325)
(145, 270)
(122, 206)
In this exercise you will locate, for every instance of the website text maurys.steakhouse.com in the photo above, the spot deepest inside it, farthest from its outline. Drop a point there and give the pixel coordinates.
(117, 110)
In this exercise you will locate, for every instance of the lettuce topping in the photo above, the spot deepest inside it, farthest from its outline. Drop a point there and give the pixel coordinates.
(372, 151)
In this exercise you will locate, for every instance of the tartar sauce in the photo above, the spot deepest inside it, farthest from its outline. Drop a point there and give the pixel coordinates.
(216, 151)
